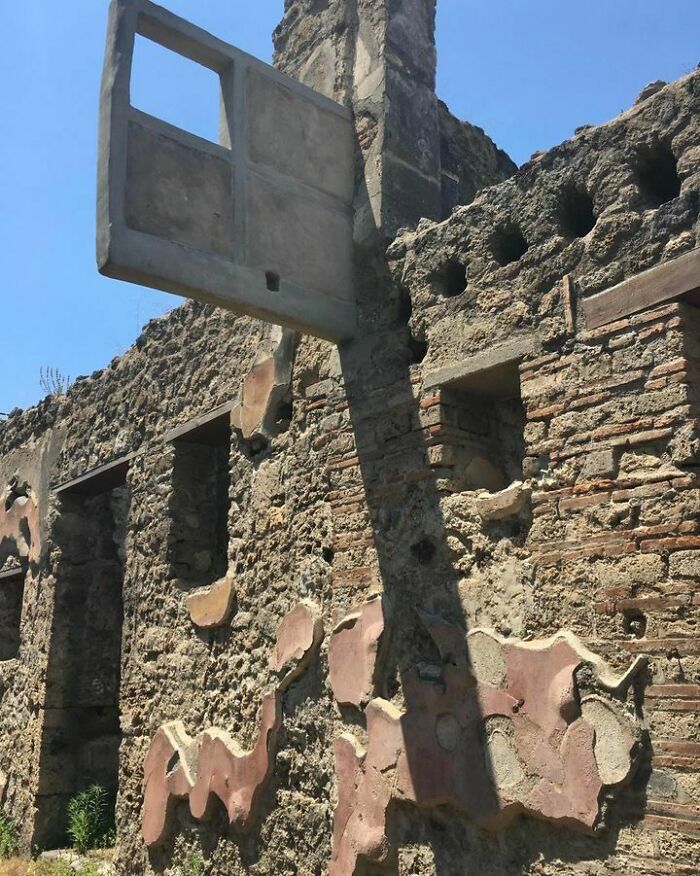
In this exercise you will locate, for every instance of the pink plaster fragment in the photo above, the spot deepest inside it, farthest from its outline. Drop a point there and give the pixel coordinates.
(433, 754)
(214, 765)
(233, 775)
(19, 529)
(211, 607)
(298, 634)
(353, 653)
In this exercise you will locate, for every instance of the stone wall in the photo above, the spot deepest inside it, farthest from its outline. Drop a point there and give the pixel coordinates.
(499, 472)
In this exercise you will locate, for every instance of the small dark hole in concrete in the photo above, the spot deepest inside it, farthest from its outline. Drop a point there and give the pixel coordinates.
(405, 306)
(508, 244)
(657, 172)
(273, 281)
(450, 279)
(634, 623)
(328, 554)
(418, 349)
(577, 216)
(285, 412)
(423, 551)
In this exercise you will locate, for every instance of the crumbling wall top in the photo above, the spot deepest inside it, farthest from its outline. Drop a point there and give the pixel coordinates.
(606, 205)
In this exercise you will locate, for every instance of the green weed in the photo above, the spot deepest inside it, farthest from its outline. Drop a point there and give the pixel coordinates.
(91, 819)
(9, 837)
(193, 865)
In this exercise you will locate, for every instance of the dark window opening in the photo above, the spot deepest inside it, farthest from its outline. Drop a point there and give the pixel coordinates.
(273, 281)
(508, 244)
(487, 417)
(199, 507)
(11, 599)
(82, 732)
(657, 172)
(577, 215)
(450, 279)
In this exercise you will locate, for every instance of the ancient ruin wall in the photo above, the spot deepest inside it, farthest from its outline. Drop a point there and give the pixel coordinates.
(563, 495)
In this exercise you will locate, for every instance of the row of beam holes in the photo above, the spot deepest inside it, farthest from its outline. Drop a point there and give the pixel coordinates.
(658, 180)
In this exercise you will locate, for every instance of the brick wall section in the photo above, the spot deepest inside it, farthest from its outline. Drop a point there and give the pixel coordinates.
(621, 409)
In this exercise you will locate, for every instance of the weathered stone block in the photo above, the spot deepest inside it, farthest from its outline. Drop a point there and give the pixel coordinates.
(684, 564)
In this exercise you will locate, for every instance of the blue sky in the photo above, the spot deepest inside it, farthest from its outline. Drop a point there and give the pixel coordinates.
(529, 73)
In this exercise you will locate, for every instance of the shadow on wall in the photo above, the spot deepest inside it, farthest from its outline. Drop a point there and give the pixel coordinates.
(476, 708)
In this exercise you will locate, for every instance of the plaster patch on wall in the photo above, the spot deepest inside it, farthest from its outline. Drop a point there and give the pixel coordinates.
(501, 735)
(19, 525)
(267, 385)
(213, 765)
(352, 655)
(211, 607)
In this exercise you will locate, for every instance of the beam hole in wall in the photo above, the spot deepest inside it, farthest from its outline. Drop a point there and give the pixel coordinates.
(175, 89)
(199, 504)
(486, 420)
(404, 307)
(576, 212)
(634, 623)
(424, 551)
(508, 244)
(418, 348)
(657, 174)
(450, 279)
(81, 734)
(272, 281)
(11, 600)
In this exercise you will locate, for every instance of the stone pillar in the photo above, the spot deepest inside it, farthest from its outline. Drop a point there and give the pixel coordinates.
(377, 56)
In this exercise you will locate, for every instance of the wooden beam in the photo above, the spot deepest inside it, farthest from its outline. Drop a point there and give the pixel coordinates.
(493, 372)
(665, 282)
(210, 428)
(98, 480)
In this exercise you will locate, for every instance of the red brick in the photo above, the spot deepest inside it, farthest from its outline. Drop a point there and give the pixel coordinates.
(546, 412)
(672, 762)
(673, 690)
(684, 647)
(588, 400)
(645, 490)
(659, 383)
(659, 313)
(583, 501)
(681, 747)
(680, 706)
(430, 401)
(669, 823)
(670, 544)
(679, 364)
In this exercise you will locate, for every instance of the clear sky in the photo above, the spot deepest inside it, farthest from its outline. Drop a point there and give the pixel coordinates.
(529, 73)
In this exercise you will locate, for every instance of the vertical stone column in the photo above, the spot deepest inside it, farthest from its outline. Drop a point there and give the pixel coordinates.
(377, 56)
